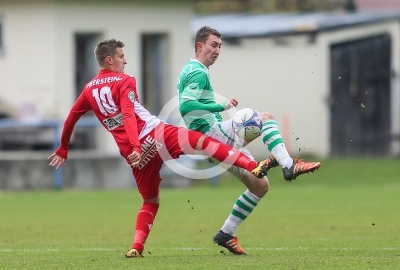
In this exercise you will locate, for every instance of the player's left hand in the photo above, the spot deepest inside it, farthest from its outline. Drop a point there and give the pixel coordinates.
(134, 158)
(233, 102)
(56, 161)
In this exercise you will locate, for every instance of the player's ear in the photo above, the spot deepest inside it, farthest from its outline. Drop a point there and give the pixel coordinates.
(199, 45)
(108, 60)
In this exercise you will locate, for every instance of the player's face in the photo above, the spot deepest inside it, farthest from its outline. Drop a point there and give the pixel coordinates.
(118, 62)
(210, 51)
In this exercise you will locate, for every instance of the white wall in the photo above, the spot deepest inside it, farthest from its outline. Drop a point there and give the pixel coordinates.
(292, 81)
(27, 67)
(283, 80)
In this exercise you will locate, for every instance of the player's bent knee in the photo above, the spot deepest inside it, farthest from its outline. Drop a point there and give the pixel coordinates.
(152, 199)
(263, 185)
(257, 186)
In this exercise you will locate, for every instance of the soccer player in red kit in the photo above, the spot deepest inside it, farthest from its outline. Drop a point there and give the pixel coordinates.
(143, 140)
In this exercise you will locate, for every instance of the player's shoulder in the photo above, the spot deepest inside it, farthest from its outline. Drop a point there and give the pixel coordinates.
(195, 65)
(196, 69)
(127, 76)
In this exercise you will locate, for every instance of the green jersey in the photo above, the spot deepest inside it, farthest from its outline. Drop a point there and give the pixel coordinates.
(197, 99)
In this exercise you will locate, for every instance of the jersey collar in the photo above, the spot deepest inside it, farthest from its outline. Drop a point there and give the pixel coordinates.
(195, 60)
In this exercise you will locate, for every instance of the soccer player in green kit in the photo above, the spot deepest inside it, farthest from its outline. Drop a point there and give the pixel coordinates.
(200, 112)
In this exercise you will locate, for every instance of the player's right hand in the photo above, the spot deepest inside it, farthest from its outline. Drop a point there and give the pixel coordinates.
(134, 158)
(233, 102)
(56, 160)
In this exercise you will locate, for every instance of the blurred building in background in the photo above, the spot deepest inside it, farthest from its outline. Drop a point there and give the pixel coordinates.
(46, 53)
(46, 56)
(330, 79)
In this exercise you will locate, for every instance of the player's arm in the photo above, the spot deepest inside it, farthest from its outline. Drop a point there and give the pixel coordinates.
(80, 107)
(127, 99)
(189, 99)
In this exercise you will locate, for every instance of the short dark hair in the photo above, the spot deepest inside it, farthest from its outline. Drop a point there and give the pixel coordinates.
(203, 33)
(106, 48)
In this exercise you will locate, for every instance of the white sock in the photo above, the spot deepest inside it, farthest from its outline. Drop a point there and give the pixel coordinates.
(273, 140)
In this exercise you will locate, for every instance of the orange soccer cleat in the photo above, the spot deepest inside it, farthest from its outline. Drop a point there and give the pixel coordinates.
(299, 167)
(229, 242)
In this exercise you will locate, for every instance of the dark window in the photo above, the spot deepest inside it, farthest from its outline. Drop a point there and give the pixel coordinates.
(154, 71)
(360, 97)
(86, 66)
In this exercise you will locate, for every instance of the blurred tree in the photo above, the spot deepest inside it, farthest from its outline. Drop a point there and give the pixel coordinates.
(270, 6)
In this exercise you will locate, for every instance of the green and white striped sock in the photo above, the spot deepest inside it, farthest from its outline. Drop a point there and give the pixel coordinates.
(273, 140)
(241, 210)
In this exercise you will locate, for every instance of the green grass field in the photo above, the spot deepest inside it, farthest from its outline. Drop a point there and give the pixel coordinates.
(344, 216)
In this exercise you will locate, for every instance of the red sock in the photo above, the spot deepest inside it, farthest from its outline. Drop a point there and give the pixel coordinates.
(226, 154)
(144, 222)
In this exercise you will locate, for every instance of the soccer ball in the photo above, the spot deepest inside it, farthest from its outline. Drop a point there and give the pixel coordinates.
(247, 124)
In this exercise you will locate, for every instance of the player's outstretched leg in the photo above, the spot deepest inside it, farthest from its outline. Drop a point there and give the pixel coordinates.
(273, 140)
(299, 167)
(226, 154)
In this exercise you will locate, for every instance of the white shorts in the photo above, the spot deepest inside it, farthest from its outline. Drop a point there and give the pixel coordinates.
(223, 132)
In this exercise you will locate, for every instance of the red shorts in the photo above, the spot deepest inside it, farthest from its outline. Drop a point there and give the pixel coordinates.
(163, 143)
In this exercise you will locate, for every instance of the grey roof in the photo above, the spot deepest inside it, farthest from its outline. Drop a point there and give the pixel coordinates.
(254, 25)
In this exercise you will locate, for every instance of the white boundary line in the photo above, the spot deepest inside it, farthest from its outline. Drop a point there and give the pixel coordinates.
(192, 249)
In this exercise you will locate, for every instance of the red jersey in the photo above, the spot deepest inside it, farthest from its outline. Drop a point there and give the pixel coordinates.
(113, 98)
